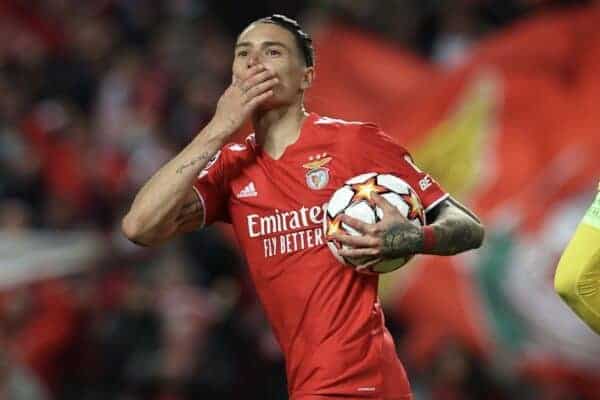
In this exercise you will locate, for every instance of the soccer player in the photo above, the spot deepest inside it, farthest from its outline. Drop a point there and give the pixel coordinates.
(577, 278)
(272, 187)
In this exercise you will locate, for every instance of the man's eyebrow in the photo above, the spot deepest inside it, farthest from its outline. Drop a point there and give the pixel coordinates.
(263, 44)
(272, 43)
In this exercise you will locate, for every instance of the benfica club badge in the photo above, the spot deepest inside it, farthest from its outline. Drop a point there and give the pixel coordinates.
(317, 176)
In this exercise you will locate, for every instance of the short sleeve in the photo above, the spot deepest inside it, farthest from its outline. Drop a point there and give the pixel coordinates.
(211, 188)
(375, 151)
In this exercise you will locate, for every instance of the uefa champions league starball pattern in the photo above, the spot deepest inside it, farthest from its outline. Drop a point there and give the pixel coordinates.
(354, 199)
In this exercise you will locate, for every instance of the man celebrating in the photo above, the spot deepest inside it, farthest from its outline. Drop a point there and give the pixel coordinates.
(272, 187)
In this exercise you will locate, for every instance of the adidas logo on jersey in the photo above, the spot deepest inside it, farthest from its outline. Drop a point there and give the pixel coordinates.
(248, 191)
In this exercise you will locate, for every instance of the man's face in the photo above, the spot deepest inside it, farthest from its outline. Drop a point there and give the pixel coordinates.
(276, 49)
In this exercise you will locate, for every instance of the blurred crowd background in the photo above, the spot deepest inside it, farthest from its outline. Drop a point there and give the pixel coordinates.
(496, 98)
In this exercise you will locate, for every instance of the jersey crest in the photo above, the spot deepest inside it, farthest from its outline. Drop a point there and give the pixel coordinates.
(317, 176)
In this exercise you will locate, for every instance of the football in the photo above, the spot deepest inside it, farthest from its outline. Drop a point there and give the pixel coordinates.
(354, 199)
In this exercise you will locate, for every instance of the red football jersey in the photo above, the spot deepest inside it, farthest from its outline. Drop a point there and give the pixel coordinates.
(325, 315)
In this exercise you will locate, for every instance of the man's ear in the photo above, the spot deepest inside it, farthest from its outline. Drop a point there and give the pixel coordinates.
(308, 78)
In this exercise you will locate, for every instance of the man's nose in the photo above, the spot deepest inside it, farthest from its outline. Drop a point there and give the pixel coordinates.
(252, 60)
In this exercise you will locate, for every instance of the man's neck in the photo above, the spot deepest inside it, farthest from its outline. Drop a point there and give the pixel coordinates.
(278, 128)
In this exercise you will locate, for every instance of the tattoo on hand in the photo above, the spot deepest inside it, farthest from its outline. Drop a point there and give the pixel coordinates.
(202, 157)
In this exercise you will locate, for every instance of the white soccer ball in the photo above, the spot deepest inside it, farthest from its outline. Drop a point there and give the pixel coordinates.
(354, 199)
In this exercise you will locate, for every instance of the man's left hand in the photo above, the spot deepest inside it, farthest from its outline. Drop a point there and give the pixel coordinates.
(392, 237)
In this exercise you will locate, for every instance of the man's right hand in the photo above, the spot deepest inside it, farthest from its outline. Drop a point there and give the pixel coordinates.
(243, 96)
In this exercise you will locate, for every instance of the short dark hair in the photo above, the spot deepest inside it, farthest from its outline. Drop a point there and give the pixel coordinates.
(303, 39)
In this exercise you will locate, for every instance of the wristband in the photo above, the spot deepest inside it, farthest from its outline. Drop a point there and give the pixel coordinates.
(428, 238)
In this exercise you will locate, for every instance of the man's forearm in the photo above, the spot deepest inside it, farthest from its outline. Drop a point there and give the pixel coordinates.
(454, 230)
(453, 235)
(161, 198)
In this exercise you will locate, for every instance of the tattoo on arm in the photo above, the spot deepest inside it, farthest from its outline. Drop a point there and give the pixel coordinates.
(455, 231)
(189, 212)
(401, 240)
(202, 157)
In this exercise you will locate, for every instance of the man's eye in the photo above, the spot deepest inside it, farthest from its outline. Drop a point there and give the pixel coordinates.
(273, 52)
(242, 53)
